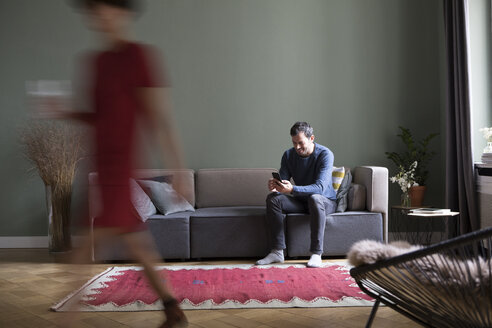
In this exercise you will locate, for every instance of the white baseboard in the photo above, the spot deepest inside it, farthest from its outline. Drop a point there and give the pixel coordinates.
(32, 241)
(24, 242)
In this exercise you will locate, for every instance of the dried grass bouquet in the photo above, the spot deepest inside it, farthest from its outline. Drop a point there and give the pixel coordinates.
(54, 148)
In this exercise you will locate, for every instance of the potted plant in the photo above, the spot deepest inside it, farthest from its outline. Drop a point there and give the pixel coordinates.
(487, 134)
(412, 166)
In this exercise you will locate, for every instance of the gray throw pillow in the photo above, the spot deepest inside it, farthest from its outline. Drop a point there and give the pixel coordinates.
(342, 193)
(164, 197)
(141, 202)
(161, 178)
(357, 198)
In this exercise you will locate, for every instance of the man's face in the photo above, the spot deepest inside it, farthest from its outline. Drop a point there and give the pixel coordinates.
(303, 145)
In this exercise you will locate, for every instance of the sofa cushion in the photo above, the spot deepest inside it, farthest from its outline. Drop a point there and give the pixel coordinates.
(141, 202)
(178, 215)
(171, 234)
(341, 231)
(164, 197)
(356, 197)
(229, 211)
(229, 232)
(232, 187)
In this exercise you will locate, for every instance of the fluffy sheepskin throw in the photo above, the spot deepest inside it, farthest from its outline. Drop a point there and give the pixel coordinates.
(371, 251)
(431, 269)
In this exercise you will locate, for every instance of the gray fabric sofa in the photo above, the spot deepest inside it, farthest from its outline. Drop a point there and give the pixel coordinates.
(229, 220)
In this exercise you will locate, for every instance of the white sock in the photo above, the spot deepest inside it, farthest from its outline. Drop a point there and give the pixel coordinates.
(315, 261)
(275, 256)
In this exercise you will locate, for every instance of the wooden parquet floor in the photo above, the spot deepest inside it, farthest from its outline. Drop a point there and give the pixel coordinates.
(31, 281)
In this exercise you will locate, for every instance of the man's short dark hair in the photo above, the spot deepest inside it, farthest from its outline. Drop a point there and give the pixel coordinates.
(299, 127)
(131, 5)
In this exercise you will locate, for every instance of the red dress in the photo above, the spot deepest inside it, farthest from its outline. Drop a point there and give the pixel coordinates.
(118, 75)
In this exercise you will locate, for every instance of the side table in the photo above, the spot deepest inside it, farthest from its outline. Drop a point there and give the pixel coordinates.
(416, 228)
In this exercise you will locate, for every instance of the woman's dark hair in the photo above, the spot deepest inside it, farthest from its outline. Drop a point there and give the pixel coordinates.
(299, 127)
(131, 5)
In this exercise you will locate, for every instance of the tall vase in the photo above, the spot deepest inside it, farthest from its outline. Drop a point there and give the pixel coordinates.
(416, 194)
(58, 208)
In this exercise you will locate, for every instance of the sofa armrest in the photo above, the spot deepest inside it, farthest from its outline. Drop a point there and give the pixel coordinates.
(375, 179)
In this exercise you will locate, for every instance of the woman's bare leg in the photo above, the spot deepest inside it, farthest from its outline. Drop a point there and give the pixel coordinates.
(143, 250)
(83, 255)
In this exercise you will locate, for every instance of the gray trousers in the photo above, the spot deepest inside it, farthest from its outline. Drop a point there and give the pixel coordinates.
(318, 206)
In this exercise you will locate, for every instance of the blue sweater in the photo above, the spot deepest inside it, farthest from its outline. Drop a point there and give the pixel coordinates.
(312, 174)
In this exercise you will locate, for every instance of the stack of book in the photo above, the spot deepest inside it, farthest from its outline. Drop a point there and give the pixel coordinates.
(430, 210)
(487, 158)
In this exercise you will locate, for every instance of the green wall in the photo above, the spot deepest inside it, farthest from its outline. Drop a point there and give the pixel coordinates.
(243, 71)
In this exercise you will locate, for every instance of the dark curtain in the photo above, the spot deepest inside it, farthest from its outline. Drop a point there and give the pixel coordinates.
(460, 189)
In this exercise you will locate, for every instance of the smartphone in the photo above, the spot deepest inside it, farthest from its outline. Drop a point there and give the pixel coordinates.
(276, 176)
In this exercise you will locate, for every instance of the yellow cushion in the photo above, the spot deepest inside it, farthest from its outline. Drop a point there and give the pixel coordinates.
(337, 177)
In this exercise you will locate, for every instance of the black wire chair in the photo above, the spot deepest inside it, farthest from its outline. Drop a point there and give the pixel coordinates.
(448, 284)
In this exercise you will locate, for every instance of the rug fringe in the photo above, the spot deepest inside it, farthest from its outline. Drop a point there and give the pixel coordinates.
(56, 306)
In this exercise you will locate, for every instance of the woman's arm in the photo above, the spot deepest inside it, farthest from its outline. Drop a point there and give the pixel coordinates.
(158, 117)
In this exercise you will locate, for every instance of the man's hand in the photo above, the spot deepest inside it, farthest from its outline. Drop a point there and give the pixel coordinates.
(284, 187)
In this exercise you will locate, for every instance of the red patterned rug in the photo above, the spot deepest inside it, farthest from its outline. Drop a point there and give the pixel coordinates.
(221, 287)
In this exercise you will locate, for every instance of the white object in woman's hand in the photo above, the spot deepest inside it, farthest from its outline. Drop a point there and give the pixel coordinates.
(48, 99)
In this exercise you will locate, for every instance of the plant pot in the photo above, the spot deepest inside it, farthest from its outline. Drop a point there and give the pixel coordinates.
(416, 194)
(58, 208)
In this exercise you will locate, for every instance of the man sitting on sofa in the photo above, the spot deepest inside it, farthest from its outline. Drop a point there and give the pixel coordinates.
(310, 165)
